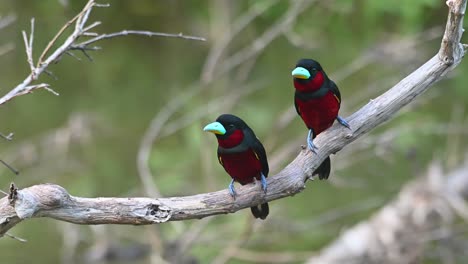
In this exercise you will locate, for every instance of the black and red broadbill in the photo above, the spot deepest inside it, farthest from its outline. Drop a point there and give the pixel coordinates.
(317, 101)
(242, 155)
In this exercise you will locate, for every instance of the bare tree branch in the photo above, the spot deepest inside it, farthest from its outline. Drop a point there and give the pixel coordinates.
(84, 45)
(81, 17)
(29, 46)
(80, 30)
(451, 49)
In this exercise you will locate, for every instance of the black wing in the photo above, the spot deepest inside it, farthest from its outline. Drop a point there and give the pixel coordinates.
(255, 144)
(261, 155)
(335, 91)
(297, 108)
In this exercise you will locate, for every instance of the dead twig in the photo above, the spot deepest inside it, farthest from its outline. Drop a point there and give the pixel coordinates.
(84, 45)
(29, 46)
(70, 43)
(9, 137)
(9, 167)
(16, 238)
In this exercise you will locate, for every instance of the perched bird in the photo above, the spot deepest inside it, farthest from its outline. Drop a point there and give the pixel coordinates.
(317, 101)
(241, 154)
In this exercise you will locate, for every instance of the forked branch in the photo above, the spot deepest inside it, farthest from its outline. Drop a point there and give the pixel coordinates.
(80, 30)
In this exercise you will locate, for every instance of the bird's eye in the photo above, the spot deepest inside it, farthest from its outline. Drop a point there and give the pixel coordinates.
(231, 125)
(314, 69)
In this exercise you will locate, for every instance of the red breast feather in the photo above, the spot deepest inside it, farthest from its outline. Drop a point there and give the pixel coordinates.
(319, 113)
(243, 167)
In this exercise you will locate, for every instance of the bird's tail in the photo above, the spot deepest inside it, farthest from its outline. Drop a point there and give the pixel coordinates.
(260, 211)
(323, 170)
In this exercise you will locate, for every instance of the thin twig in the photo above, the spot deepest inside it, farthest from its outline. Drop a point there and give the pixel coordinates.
(73, 55)
(31, 88)
(51, 74)
(84, 44)
(29, 47)
(9, 137)
(16, 238)
(9, 167)
(25, 87)
(93, 25)
(80, 21)
(50, 90)
(87, 7)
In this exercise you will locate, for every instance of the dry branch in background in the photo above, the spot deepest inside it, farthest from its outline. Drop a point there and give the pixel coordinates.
(5, 22)
(70, 43)
(53, 201)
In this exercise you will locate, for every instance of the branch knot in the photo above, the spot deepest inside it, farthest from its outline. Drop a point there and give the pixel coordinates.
(158, 213)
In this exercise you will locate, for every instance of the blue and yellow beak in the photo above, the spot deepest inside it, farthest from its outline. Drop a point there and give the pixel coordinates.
(301, 73)
(215, 128)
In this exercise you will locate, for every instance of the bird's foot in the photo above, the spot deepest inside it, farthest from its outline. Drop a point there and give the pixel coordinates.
(264, 183)
(310, 142)
(311, 146)
(343, 122)
(232, 191)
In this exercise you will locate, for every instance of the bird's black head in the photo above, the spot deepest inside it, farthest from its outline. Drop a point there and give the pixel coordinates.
(231, 122)
(230, 130)
(308, 75)
(226, 125)
(309, 64)
(306, 69)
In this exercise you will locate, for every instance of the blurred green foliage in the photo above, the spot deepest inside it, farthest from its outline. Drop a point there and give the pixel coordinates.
(132, 78)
